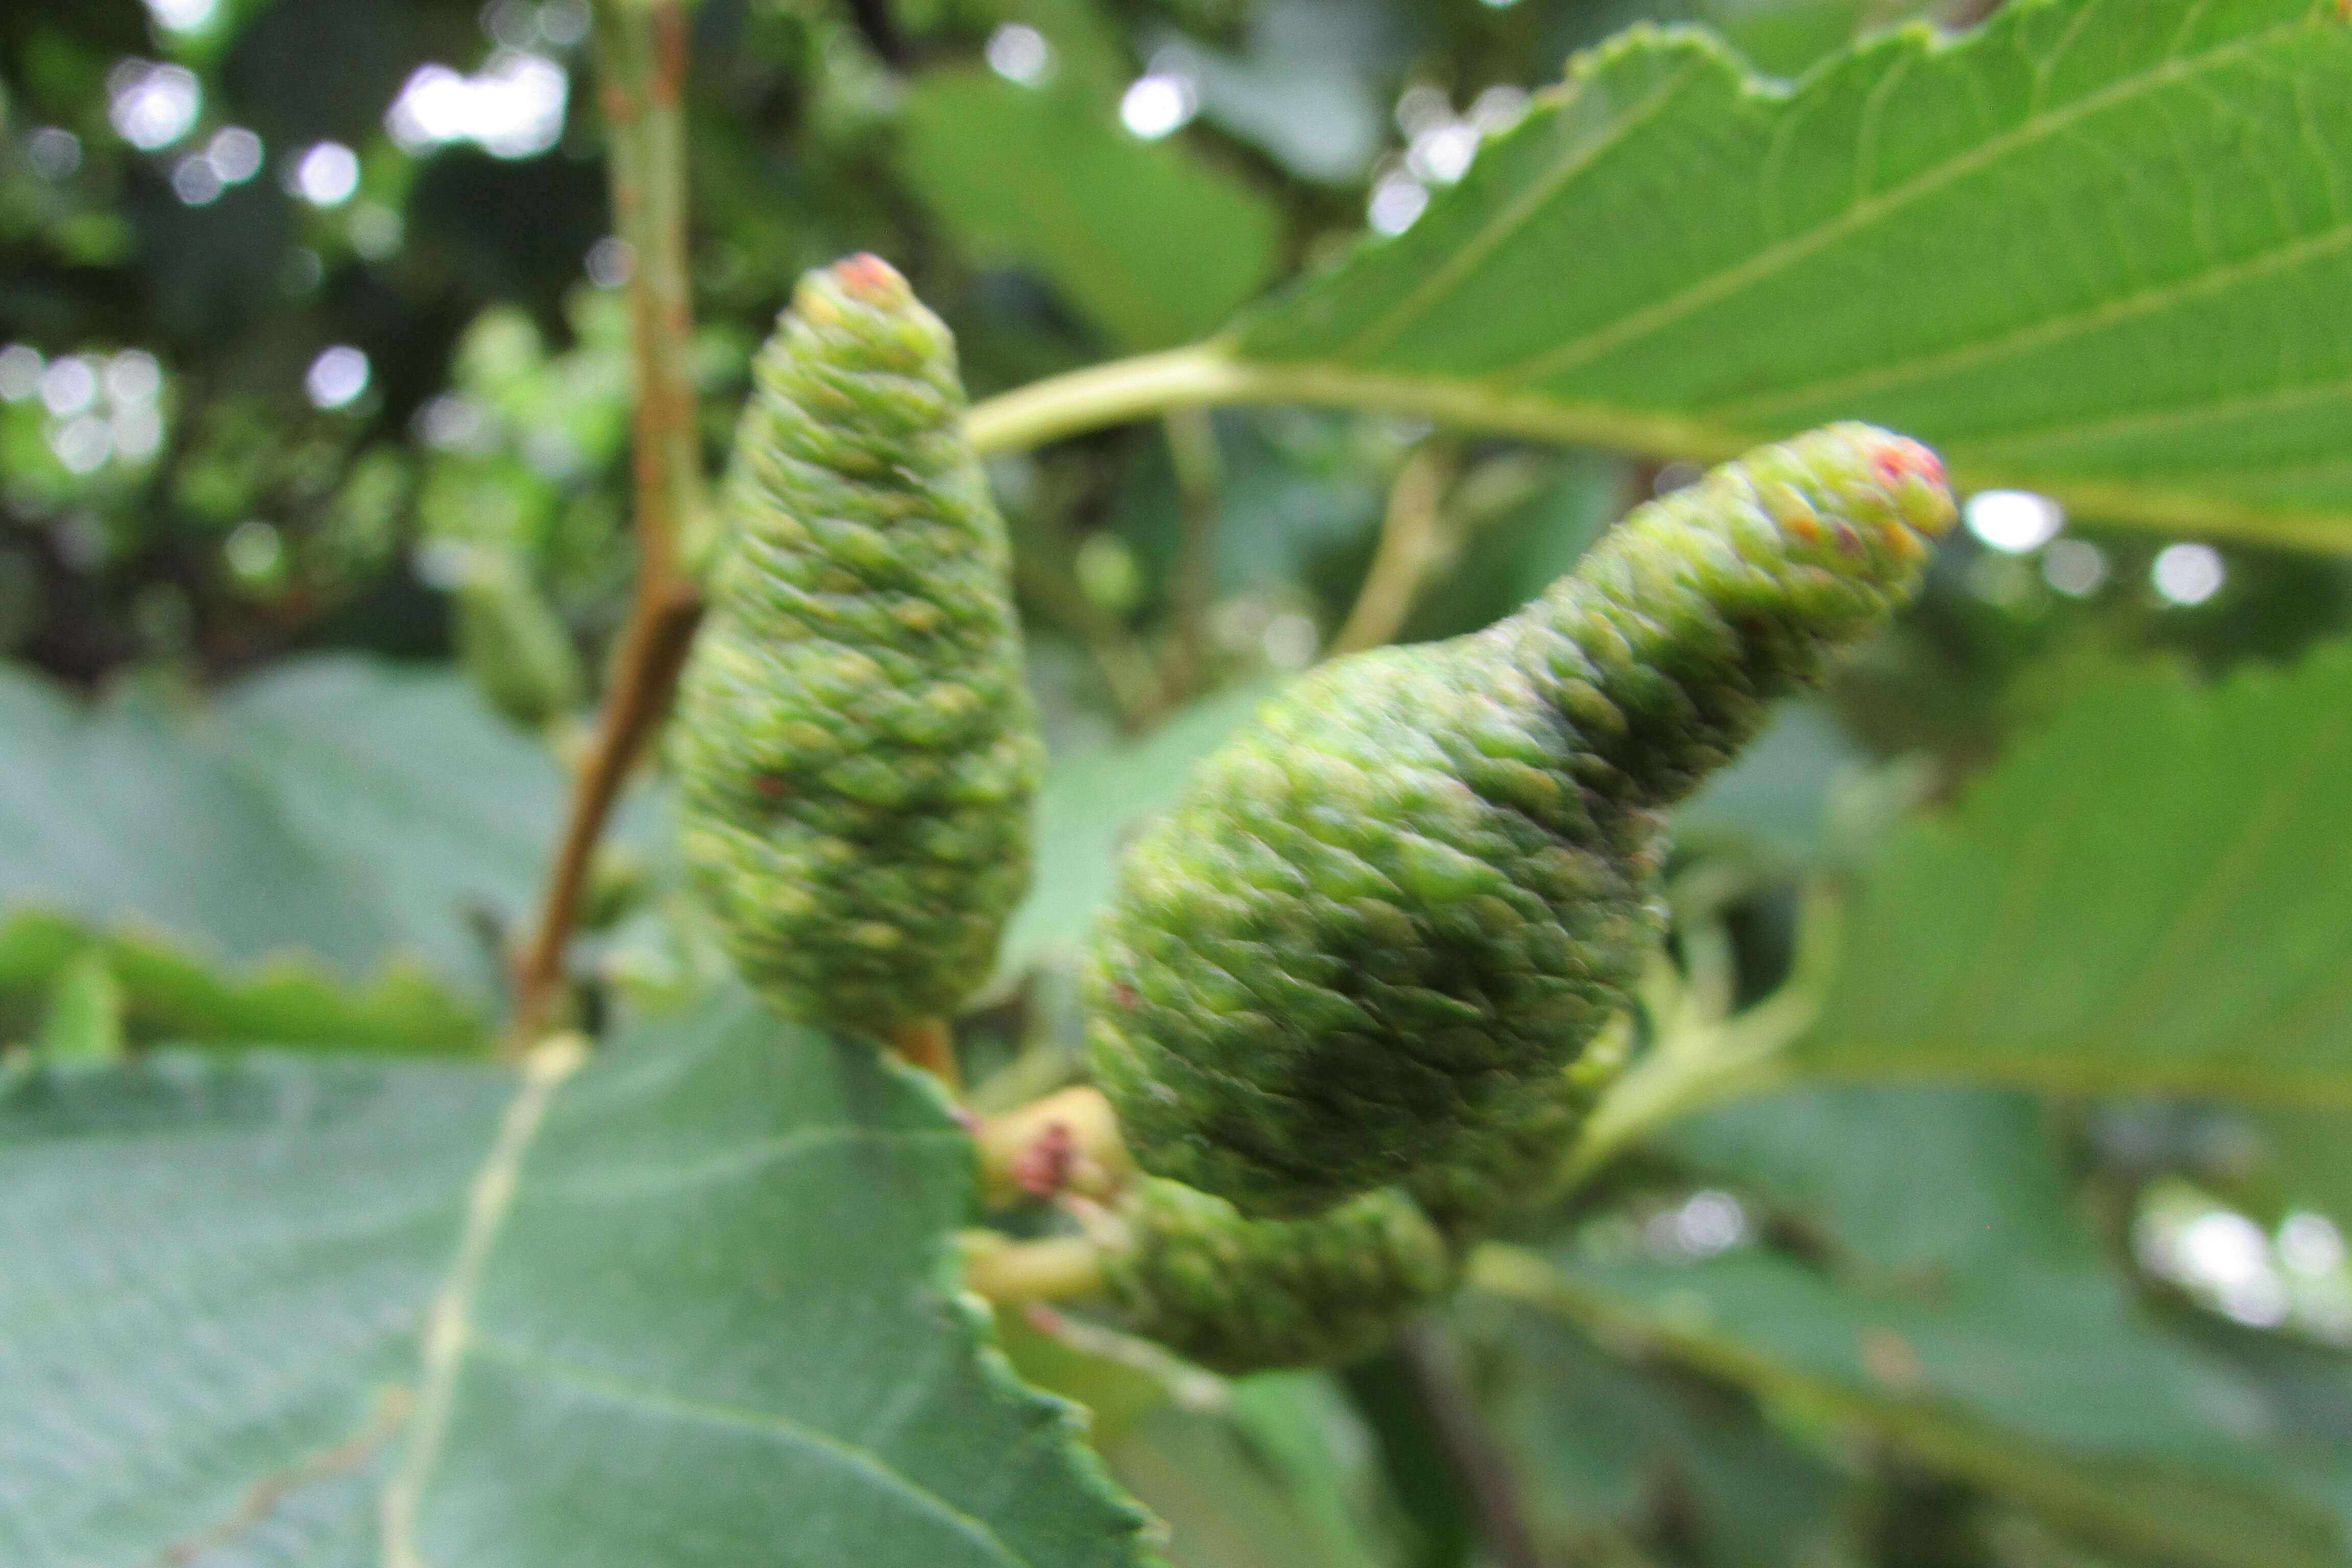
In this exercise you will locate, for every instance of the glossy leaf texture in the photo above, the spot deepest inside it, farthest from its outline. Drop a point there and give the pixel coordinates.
(2037, 245)
(346, 1312)
(2153, 893)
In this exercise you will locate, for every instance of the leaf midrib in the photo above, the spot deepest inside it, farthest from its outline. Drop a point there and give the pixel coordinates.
(449, 1325)
(452, 1338)
(863, 1463)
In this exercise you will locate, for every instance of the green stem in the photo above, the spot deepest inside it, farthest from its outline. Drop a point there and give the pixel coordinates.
(1057, 1268)
(1104, 394)
(1408, 544)
(1150, 384)
(1703, 1059)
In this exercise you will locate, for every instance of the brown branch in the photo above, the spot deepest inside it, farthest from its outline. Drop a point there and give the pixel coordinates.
(1200, 476)
(641, 69)
(1478, 1465)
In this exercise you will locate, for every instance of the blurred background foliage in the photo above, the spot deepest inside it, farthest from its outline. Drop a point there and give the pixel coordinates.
(312, 343)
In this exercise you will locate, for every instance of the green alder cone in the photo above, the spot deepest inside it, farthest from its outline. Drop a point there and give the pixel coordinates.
(1380, 920)
(1238, 1295)
(855, 745)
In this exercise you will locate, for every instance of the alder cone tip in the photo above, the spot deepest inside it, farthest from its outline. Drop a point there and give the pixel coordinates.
(873, 279)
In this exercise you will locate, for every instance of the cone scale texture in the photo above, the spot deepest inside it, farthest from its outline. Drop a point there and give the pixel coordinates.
(1381, 920)
(856, 749)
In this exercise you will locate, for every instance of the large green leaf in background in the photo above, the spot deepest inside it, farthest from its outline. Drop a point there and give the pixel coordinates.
(1808, 1353)
(1094, 800)
(1151, 247)
(2092, 248)
(264, 1309)
(335, 811)
(1599, 1440)
(1956, 1308)
(2153, 893)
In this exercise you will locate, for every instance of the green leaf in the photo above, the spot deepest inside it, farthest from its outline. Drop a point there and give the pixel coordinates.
(2000, 245)
(168, 994)
(333, 807)
(1149, 245)
(1905, 1179)
(1772, 801)
(1954, 1303)
(2083, 249)
(2153, 893)
(2111, 1447)
(1595, 1437)
(264, 1308)
(1784, 36)
(1277, 1475)
(2307, 1160)
(84, 1016)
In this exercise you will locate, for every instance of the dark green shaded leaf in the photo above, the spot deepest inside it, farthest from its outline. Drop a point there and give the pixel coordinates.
(2021, 1391)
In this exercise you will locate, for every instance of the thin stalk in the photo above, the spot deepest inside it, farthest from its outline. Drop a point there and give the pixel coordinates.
(1409, 543)
(1059, 1268)
(1703, 1059)
(1207, 374)
(929, 1044)
(641, 73)
(1478, 1463)
(1111, 393)
(1200, 480)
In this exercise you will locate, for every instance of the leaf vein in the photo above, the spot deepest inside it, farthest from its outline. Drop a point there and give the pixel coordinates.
(1777, 258)
(2045, 332)
(862, 1462)
(448, 1326)
(1507, 223)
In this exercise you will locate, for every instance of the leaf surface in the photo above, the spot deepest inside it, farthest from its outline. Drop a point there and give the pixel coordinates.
(264, 1308)
(334, 808)
(2089, 249)
(1150, 246)
(2151, 894)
